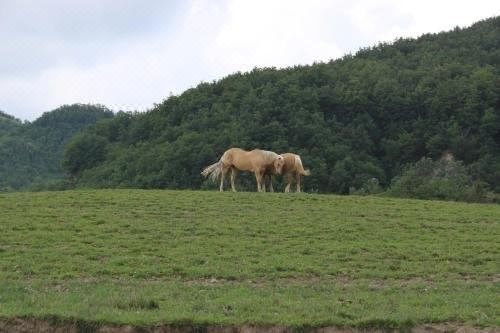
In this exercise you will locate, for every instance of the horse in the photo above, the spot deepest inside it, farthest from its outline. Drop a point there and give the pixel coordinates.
(292, 168)
(237, 159)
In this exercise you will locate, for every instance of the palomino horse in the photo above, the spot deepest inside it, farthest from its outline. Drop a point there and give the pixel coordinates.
(291, 169)
(236, 159)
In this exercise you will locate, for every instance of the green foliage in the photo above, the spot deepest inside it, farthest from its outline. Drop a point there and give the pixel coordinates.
(8, 124)
(31, 153)
(352, 119)
(443, 180)
(140, 257)
(84, 151)
(371, 186)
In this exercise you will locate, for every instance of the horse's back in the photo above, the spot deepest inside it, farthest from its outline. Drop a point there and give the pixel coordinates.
(235, 151)
(289, 165)
(263, 157)
(238, 158)
(293, 164)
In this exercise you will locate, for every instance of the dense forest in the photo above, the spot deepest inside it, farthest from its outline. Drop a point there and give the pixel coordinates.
(31, 152)
(362, 124)
(354, 120)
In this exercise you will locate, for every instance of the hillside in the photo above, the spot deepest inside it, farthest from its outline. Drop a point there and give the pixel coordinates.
(353, 119)
(31, 153)
(8, 124)
(198, 258)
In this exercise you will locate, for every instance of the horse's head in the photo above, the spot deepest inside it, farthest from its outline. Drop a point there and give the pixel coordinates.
(278, 164)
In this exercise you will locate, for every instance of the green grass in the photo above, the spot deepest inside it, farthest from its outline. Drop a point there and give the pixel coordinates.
(152, 257)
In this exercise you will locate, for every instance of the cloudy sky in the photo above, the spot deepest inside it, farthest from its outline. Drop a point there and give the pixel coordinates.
(130, 54)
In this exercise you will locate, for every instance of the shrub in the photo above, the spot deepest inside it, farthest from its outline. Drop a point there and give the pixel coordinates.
(371, 186)
(442, 180)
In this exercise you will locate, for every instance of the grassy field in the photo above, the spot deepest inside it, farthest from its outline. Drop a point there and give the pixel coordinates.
(154, 257)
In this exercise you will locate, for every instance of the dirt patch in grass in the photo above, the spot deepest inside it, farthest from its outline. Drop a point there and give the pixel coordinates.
(25, 325)
(343, 281)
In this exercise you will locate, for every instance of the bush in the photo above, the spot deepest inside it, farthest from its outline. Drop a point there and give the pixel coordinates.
(83, 151)
(371, 186)
(442, 180)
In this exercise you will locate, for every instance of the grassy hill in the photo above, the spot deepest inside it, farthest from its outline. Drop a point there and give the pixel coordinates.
(153, 257)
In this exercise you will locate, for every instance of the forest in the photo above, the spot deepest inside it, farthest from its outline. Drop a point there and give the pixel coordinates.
(31, 152)
(361, 123)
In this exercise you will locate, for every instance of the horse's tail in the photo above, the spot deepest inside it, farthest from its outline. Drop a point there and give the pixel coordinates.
(213, 171)
(300, 168)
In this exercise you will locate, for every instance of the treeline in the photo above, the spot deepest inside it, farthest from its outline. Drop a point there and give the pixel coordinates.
(379, 119)
(353, 120)
(31, 152)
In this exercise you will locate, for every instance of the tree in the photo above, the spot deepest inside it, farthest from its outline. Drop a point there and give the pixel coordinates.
(84, 151)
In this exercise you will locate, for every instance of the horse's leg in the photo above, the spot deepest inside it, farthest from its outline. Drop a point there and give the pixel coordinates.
(271, 189)
(298, 177)
(222, 177)
(289, 183)
(234, 173)
(258, 177)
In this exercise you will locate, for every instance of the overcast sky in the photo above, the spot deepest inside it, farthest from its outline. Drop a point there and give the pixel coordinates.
(130, 54)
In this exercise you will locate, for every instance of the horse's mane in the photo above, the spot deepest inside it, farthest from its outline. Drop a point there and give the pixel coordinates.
(270, 154)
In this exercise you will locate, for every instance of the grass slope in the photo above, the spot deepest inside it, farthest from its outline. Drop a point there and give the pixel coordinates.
(151, 257)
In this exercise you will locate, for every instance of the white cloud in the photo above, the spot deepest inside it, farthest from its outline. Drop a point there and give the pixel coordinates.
(206, 40)
(276, 33)
(386, 20)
